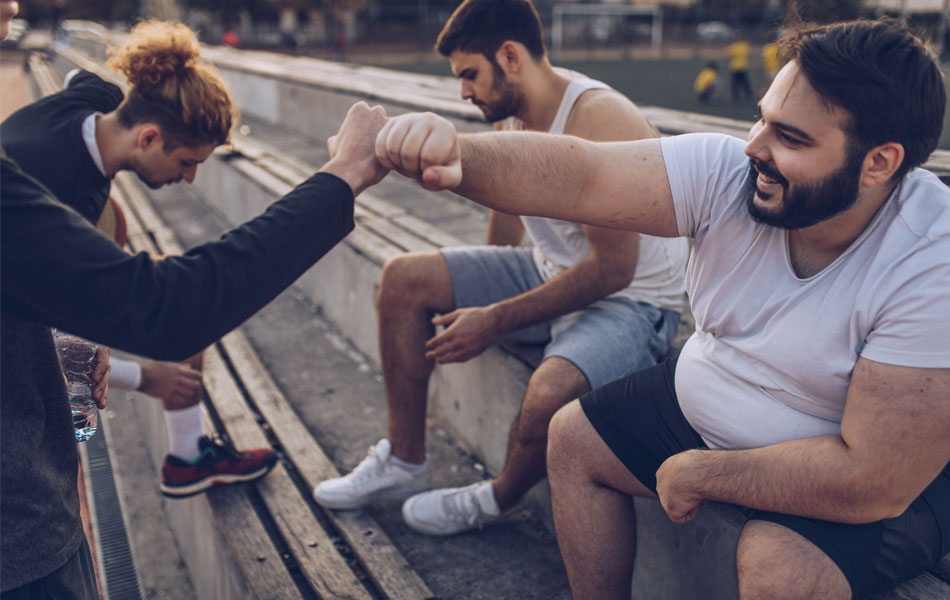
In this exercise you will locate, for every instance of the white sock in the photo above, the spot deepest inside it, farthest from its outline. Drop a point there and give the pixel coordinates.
(184, 427)
(412, 468)
(485, 495)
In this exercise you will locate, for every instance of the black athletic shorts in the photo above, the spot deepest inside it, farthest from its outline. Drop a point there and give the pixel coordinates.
(639, 418)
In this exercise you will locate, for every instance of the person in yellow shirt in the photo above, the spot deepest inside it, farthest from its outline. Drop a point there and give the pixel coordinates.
(738, 53)
(706, 85)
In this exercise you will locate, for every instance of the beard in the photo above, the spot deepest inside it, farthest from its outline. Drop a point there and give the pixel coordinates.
(509, 99)
(804, 205)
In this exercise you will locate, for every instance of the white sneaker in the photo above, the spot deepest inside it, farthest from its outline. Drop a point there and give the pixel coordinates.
(375, 478)
(452, 510)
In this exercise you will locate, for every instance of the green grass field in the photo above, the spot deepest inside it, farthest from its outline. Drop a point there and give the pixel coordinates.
(659, 82)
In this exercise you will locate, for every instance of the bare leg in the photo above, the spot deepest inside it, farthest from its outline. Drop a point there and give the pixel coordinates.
(777, 563)
(555, 383)
(593, 511)
(413, 287)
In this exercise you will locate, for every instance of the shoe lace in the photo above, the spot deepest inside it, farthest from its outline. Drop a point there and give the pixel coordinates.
(220, 448)
(370, 467)
(462, 506)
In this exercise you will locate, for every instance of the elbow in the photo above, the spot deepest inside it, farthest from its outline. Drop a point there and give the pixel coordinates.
(877, 506)
(617, 277)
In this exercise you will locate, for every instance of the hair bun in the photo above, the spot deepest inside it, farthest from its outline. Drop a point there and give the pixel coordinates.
(154, 51)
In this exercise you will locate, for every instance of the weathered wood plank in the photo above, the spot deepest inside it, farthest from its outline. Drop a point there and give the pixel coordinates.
(325, 569)
(260, 564)
(385, 565)
(402, 237)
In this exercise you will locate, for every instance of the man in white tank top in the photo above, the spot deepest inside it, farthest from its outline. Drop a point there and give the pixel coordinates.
(604, 302)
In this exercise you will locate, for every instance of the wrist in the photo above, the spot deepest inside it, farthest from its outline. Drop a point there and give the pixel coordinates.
(352, 175)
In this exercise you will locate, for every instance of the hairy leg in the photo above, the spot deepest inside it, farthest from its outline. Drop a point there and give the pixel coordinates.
(413, 287)
(555, 383)
(777, 563)
(593, 511)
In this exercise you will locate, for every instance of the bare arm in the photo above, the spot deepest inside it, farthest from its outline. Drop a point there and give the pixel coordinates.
(602, 115)
(895, 439)
(620, 185)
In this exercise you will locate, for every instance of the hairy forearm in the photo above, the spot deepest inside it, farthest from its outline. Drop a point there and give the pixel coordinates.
(585, 282)
(816, 477)
(617, 185)
(517, 172)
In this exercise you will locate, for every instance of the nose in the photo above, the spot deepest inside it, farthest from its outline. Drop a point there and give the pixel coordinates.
(189, 173)
(757, 146)
(466, 91)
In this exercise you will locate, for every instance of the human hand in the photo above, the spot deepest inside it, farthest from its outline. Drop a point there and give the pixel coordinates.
(468, 331)
(177, 385)
(676, 489)
(424, 147)
(100, 377)
(352, 156)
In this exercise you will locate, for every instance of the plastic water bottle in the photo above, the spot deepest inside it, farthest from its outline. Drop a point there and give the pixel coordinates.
(78, 359)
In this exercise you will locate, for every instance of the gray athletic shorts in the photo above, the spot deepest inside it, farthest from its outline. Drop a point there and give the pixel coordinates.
(606, 340)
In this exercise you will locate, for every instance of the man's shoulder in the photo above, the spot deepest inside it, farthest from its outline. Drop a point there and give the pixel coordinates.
(607, 115)
(925, 205)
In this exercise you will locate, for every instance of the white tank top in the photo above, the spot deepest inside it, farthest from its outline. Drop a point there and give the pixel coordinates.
(661, 265)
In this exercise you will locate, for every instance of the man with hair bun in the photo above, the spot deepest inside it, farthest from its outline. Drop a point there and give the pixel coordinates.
(815, 392)
(74, 142)
(168, 308)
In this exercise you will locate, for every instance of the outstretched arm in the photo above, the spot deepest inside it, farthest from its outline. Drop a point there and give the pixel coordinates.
(621, 185)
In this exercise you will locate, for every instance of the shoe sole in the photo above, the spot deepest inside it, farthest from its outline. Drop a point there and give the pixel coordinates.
(380, 496)
(192, 489)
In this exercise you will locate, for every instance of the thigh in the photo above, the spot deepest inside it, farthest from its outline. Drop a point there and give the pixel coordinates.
(482, 275)
(776, 562)
(878, 556)
(639, 419)
(612, 337)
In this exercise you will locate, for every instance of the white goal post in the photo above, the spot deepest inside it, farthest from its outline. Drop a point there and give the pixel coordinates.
(559, 11)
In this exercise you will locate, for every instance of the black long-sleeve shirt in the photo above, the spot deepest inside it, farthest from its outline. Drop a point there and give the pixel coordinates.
(45, 139)
(57, 270)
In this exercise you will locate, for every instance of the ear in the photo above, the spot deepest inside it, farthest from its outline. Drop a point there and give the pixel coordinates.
(509, 57)
(148, 136)
(880, 163)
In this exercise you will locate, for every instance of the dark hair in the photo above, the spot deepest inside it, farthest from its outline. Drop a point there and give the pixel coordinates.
(171, 87)
(883, 76)
(482, 26)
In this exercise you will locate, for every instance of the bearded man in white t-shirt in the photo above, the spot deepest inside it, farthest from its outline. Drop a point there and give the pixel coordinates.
(815, 390)
(604, 302)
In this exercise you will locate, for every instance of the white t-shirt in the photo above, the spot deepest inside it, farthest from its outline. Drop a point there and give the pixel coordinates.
(661, 262)
(772, 356)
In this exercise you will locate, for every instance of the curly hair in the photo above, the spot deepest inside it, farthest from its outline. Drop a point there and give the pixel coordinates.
(171, 86)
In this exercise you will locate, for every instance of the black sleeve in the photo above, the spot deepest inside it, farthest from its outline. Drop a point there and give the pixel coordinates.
(94, 92)
(57, 269)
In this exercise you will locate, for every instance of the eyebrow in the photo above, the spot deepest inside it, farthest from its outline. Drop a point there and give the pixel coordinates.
(788, 128)
(468, 72)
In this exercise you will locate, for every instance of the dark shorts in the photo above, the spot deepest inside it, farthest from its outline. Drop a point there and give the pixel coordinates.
(639, 419)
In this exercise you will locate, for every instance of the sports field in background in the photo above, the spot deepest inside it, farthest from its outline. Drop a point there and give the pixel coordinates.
(660, 82)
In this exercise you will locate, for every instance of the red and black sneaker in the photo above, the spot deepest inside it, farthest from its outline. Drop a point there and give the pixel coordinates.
(218, 464)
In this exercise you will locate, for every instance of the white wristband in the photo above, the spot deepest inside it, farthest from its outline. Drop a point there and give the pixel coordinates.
(125, 374)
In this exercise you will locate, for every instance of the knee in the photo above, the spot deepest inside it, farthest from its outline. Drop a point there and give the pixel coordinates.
(400, 282)
(562, 435)
(540, 404)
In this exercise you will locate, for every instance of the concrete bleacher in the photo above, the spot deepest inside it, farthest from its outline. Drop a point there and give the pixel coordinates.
(474, 401)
